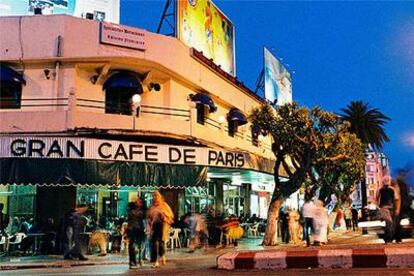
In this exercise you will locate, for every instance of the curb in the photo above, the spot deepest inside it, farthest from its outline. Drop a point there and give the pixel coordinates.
(57, 264)
(322, 258)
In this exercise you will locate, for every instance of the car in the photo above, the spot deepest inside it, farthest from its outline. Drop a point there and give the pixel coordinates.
(377, 225)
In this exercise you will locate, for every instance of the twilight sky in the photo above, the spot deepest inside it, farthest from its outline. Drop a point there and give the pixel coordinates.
(340, 51)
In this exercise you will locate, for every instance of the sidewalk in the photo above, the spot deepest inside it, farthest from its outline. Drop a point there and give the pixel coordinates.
(339, 241)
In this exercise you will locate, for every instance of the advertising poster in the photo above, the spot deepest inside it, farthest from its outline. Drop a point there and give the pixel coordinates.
(278, 82)
(201, 25)
(102, 10)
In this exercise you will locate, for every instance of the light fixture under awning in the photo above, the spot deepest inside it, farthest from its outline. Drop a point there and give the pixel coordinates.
(10, 76)
(202, 99)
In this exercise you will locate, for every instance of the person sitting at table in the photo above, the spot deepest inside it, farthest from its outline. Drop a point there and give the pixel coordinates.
(14, 226)
(232, 229)
(99, 238)
(48, 240)
(24, 225)
(29, 241)
(253, 219)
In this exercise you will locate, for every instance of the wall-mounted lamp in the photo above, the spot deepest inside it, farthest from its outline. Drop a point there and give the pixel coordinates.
(260, 138)
(154, 86)
(221, 119)
(94, 79)
(136, 107)
(49, 73)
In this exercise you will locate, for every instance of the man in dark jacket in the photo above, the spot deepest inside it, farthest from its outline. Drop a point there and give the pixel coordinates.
(389, 202)
(135, 232)
(79, 222)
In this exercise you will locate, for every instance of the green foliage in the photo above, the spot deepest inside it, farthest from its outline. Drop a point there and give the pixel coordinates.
(313, 147)
(367, 123)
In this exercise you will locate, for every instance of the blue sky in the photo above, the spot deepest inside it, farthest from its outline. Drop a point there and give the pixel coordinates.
(340, 51)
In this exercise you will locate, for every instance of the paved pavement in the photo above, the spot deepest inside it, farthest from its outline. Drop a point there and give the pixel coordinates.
(179, 258)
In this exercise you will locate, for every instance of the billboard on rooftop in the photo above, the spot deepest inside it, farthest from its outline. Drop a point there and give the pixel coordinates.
(201, 25)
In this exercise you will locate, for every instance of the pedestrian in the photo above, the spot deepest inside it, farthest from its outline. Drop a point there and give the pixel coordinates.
(4, 220)
(156, 224)
(355, 215)
(389, 206)
(135, 232)
(404, 206)
(348, 216)
(284, 222)
(338, 219)
(79, 223)
(294, 226)
(320, 224)
(198, 230)
(67, 233)
(307, 213)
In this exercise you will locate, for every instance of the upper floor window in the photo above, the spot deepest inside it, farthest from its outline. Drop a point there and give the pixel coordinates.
(119, 89)
(204, 106)
(255, 135)
(235, 119)
(11, 84)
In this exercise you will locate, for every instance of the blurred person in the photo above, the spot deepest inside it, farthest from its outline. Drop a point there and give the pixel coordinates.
(354, 212)
(198, 230)
(320, 223)
(155, 230)
(67, 233)
(135, 232)
(338, 219)
(307, 213)
(14, 226)
(233, 229)
(4, 220)
(389, 204)
(167, 219)
(404, 206)
(284, 223)
(294, 226)
(348, 216)
(24, 225)
(79, 223)
(99, 238)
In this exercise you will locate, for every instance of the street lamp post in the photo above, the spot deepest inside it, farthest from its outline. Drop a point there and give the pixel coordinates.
(136, 106)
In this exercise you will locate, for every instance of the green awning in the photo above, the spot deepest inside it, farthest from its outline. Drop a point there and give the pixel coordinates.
(23, 171)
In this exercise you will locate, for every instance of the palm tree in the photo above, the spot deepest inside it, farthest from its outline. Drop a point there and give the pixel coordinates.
(367, 123)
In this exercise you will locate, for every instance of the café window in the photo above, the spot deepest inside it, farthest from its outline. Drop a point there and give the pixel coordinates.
(204, 106)
(119, 89)
(11, 84)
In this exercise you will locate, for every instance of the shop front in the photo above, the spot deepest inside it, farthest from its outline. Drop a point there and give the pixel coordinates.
(46, 176)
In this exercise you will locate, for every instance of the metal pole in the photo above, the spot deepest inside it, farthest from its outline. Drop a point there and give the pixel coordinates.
(364, 203)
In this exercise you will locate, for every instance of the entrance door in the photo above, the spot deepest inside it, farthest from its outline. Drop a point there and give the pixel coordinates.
(54, 202)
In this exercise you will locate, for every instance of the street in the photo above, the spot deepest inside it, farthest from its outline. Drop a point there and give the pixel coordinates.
(202, 267)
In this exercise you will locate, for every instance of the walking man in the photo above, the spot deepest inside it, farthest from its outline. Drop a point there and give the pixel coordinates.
(389, 208)
(79, 223)
(308, 213)
(135, 232)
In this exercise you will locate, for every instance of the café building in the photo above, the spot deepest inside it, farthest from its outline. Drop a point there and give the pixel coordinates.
(100, 114)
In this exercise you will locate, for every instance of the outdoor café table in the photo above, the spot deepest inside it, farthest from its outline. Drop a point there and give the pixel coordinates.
(36, 241)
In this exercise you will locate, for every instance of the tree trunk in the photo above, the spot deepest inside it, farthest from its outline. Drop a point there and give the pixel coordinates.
(270, 237)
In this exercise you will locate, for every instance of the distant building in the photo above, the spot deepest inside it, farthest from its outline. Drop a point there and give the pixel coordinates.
(377, 172)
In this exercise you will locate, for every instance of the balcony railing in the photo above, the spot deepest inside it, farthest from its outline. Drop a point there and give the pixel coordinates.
(72, 105)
